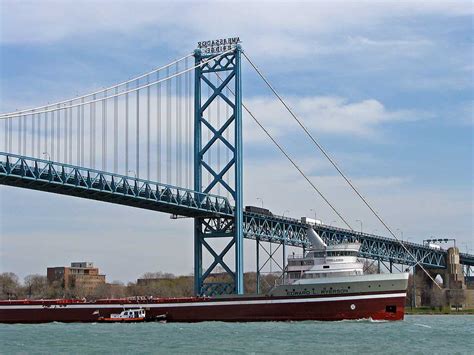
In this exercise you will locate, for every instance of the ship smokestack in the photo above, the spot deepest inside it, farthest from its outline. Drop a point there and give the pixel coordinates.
(315, 240)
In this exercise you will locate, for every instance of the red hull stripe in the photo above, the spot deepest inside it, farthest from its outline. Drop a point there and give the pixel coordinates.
(209, 303)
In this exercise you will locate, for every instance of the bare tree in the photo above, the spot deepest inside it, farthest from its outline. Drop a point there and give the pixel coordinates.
(10, 287)
(35, 286)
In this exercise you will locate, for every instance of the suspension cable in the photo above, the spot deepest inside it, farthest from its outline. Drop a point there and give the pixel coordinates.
(282, 150)
(324, 152)
(99, 91)
(138, 88)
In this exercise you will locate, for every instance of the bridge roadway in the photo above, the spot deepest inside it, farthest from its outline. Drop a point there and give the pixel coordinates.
(44, 175)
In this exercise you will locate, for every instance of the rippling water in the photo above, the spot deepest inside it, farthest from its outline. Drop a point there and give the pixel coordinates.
(416, 334)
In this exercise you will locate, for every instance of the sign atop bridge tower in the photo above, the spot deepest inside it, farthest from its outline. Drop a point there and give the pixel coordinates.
(218, 46)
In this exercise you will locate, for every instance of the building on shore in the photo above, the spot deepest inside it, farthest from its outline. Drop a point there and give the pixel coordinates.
(81, 275)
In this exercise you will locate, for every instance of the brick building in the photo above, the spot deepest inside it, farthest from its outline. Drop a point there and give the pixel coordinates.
(79, 275)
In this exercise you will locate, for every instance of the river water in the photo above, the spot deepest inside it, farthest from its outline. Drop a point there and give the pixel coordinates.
(437, 334)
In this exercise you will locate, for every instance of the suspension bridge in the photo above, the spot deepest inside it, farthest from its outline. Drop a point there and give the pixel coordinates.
(170, 140)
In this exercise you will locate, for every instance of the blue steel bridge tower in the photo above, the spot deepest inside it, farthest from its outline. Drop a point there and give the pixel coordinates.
(229, 176)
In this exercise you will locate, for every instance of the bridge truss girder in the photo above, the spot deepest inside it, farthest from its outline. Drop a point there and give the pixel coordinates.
(64, 179)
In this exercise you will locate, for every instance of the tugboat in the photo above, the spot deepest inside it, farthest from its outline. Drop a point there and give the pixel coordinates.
(127, 315)
(326, 283)
(131, 316)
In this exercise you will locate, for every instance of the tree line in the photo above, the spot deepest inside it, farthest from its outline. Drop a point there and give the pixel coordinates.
(150, 284)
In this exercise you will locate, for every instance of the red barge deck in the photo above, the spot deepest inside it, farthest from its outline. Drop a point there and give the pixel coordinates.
(377, 305)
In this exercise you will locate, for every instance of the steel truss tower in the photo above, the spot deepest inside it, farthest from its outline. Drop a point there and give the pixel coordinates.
(225, 132)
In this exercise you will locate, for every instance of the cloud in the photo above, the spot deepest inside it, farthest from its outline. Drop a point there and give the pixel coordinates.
(287, 27)
(326, 115)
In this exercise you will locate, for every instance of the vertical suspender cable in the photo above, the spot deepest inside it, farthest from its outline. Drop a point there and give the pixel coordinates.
(148, 129)
(82, 132)
(186, 115)
(126, 130)
(178, 127)
(70, 133)
(46, 132)
(5, 127)
(116, 132)
(168, 128)
(38, 142)
(58, 133)
(20, 130)
(138, 132)
(158, 128)
(104, 132)
(92, 138)
(25, 136)
(33, 134)
(66, 125)
(10, 134)
(66, 134)
(190, 131)
(78, 136)
(53, 135)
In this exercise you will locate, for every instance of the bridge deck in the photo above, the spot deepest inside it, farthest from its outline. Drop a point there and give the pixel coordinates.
(43, 175)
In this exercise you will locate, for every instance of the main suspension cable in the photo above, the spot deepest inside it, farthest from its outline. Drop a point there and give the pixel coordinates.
(98, 91)
(323, 151)
(127, 91)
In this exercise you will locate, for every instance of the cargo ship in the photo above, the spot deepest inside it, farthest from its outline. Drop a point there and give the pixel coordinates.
(326, 283)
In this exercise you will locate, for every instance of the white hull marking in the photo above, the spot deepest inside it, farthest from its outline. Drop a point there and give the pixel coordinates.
(208, 303)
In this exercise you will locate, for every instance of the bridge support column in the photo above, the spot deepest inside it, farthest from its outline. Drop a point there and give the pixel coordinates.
(217, 76)
(258, 266)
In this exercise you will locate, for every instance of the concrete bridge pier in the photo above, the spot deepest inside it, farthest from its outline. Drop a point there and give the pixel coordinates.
(452, 283)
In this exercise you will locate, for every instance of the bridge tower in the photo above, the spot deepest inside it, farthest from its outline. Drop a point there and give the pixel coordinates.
(230, 176)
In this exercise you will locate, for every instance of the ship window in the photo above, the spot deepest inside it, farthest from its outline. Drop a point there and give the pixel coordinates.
(391, 309)
(325, 266)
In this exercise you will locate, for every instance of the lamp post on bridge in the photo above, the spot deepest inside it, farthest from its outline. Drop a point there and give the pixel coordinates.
(313, 210)
(401, 233)
(285, 212)
(135, 182)
(46, 155)
(361, 225)
(261, 200)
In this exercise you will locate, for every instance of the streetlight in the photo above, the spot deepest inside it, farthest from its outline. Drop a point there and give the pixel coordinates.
(46, 154)
(314, 213)
(261, 200)
(358, 220)
(134, 173)
(285, 212)
(401, 233)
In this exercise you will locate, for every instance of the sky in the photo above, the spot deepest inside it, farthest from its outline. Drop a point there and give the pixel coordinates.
(386, 87)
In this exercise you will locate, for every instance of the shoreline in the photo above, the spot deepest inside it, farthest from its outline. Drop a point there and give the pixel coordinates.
(432, 312)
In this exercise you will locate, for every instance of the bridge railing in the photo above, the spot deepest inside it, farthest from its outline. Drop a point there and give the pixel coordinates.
(68, 179)
(275, 229)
